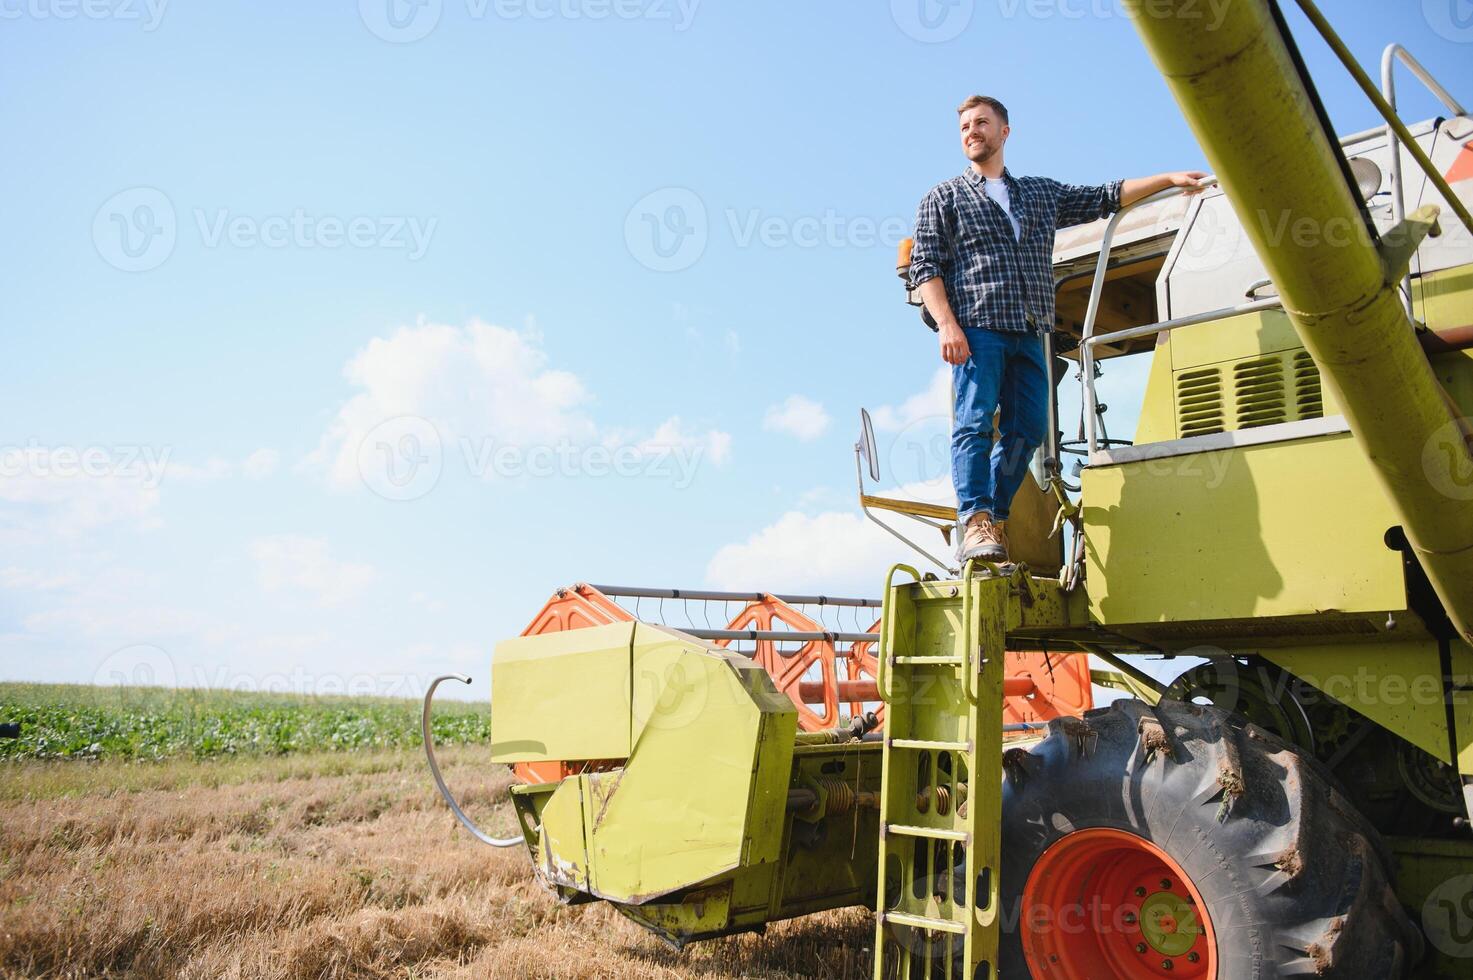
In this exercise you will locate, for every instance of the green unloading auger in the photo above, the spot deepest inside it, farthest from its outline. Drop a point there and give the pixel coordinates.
(1243, 90)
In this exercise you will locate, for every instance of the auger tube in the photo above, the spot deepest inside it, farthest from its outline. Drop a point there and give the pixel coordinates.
(1240, 86)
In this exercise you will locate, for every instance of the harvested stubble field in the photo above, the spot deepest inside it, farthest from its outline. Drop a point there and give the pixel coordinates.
(312, 862)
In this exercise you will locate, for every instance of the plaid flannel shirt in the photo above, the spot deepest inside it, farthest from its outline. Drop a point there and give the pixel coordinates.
(993, 280)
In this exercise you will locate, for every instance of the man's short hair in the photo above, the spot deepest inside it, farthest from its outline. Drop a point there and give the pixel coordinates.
(973, 101)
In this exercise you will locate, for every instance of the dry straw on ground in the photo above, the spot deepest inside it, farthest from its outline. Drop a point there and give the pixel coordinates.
(320, 867)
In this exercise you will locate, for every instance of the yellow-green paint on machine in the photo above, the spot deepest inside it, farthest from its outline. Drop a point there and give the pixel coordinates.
(1219, 544)
(599, 658)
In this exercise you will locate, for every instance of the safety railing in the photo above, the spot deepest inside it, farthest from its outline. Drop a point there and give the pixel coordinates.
(1389, 58)
(1090, 340)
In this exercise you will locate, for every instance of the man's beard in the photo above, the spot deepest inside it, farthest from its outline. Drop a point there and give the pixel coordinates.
(987, 152)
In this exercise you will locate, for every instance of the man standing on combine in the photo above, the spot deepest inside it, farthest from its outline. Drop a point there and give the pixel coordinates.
(983, 264)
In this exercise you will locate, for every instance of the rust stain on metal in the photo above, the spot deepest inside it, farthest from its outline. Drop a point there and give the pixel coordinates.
(605, 798)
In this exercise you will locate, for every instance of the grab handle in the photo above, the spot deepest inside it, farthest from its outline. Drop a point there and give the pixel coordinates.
(887, 623)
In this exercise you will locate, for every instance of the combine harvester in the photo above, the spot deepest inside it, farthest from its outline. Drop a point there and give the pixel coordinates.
(1295, 516)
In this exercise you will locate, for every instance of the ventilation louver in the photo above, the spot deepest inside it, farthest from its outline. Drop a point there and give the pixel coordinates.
(1265, 390)
(1258, 392)
(1199, 402)
(1308, 399)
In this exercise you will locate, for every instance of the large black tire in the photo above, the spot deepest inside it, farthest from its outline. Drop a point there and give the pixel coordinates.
(1295, 881)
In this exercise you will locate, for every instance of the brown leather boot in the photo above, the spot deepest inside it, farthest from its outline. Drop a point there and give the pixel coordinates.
(983, 539)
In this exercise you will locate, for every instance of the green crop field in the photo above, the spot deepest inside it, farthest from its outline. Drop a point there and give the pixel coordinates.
(61, 721)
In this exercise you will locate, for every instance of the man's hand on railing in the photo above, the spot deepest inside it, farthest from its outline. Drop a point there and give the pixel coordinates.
(1138, 188)
(1190, 181)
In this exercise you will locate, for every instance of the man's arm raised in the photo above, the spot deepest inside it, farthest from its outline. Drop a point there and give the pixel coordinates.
(1137, 188)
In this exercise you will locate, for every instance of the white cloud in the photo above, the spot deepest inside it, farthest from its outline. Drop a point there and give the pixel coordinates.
(713, 444)
(480, 381)
(296, 563)
(30, 580)
(933, 403)
(832, 553)
(93, 620)
(839, 551)
(66, 491)
(213, 468)
(800, 417)
(475, 386)
(260, 464)
(430, 604)
(100, 601)
(815, 497)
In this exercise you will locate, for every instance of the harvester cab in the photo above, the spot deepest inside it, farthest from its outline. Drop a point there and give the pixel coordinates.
(1287, 534)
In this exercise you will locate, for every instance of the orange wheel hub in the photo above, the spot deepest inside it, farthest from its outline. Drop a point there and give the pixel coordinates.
(1107, 903)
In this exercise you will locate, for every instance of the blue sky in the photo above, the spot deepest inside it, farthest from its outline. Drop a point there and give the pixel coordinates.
(295, 298)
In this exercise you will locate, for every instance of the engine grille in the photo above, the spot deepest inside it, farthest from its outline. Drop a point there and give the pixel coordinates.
(1265, 390)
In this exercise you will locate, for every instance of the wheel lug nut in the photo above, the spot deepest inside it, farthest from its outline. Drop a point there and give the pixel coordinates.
(1165, 964)
(1140, 891)
(1130, 918)
(1192, 957)
(1140, 947)
(1166, 884)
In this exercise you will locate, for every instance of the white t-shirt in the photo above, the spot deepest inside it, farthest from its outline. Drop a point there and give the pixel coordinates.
(998, 191)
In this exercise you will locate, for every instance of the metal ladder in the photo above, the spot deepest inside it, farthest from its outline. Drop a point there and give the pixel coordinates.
(941, 678)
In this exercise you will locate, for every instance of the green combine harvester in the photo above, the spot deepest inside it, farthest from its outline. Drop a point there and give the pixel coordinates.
(1293, 521)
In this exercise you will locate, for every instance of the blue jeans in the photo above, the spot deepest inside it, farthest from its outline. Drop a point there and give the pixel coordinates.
(1007, 371)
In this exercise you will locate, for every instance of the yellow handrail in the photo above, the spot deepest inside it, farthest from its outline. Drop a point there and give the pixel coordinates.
(887, 623)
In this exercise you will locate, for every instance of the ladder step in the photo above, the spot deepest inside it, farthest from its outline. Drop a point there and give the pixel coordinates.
(925, 922)
(934, 833)
(920, 743)
(929, 661)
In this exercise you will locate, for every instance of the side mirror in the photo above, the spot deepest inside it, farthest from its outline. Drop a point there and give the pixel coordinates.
(1368, 177)
(865, 447)
(1038, 466)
